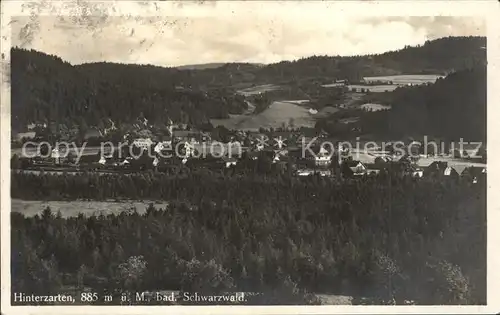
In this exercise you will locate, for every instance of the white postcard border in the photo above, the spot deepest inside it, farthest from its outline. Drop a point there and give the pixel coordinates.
(488, 9)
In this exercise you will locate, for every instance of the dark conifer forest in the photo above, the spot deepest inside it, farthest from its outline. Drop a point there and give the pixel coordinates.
(452, 108)
(387, 238)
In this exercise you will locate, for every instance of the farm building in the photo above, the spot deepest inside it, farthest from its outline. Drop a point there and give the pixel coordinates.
(353, 168)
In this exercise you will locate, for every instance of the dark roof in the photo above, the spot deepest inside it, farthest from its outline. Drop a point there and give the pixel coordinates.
(474, 171)
(352, 163)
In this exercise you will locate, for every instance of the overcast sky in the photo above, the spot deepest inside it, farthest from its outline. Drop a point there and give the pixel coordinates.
(238, 37)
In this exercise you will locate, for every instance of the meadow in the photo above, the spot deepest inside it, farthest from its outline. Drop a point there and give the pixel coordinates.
(30, 208)
(372, 88)
(405, 79)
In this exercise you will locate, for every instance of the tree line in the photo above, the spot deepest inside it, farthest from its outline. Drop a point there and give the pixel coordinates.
(47, 89)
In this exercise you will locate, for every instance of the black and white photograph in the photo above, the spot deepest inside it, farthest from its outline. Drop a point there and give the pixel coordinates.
(245, 153)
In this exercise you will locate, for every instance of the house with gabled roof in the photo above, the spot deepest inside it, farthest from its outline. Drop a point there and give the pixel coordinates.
(353, 168)
(441, 168)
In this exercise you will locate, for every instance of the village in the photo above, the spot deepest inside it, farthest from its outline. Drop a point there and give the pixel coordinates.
(300, 152)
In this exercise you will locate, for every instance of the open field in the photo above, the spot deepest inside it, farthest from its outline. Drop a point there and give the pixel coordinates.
(258, 89)
(276, 115)
(374, 107)
(87, 150)
(373, 88)
(405, 79)
(73, 208)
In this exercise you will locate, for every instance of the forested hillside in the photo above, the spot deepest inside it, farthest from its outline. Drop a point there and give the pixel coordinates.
(45, 88)
(383, 237)
(435, 57)
(452, 108)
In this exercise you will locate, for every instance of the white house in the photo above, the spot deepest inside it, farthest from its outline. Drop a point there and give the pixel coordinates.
(164, 145)
(229, 161)
(156, 161)
(144, 143)
(55, 154)
(418, 173)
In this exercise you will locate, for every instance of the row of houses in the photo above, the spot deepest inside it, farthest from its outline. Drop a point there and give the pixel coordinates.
(323, 165)
(437, 169)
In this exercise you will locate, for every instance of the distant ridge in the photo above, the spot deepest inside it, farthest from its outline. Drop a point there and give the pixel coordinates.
(201, 66)
(214, 65)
